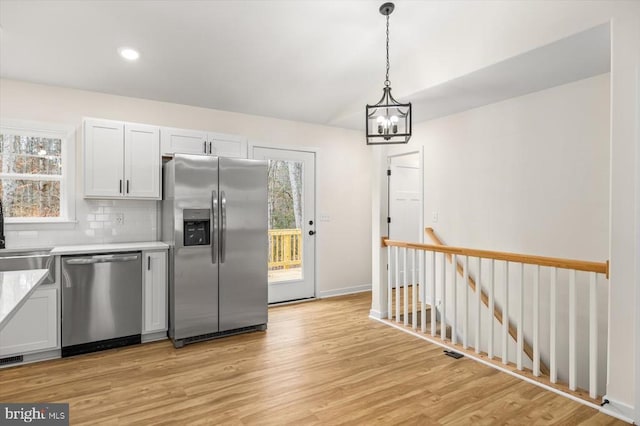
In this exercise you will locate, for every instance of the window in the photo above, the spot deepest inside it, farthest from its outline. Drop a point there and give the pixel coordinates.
(36, 172)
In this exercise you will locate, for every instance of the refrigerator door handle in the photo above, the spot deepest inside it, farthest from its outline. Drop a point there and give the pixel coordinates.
(223, 225)
(214, 228)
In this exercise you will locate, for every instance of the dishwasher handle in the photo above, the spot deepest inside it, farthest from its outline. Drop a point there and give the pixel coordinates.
(101, 259)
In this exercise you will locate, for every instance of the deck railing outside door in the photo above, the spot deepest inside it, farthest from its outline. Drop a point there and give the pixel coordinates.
(285, 248)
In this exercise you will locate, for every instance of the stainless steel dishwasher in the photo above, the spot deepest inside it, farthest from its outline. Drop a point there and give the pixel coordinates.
(101, 302)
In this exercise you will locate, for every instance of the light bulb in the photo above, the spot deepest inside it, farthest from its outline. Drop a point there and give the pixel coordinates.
(381, 123)
(394, 123)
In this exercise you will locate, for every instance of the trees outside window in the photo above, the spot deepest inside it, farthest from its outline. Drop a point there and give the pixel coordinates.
(37, 172)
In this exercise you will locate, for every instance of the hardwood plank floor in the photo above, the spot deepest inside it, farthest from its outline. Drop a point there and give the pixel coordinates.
(322, 362)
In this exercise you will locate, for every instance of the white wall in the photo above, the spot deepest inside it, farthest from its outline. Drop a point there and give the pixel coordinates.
(342, 169)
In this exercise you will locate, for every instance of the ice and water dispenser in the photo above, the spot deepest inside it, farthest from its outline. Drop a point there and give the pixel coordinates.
(197, 227)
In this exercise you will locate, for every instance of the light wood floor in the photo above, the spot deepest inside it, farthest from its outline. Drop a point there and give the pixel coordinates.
(321, 362)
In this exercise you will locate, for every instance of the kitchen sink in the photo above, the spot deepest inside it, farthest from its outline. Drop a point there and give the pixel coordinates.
(24, 259)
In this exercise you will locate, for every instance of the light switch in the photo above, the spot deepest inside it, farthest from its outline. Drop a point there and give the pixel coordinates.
(325, 218)
(434, 216)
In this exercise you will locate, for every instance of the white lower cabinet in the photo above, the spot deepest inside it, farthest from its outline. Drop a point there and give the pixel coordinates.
(34, 327)
(154, 293)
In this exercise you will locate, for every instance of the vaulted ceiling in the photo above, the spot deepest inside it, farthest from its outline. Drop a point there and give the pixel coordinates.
(313, 61)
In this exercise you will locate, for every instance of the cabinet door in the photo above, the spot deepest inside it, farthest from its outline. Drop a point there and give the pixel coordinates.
(228, 145)
(184, 141)
(142, 161)
(34, 327)
(155, 292)
(103, 158)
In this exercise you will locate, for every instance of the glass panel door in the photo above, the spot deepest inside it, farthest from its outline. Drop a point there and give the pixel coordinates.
(291, 218)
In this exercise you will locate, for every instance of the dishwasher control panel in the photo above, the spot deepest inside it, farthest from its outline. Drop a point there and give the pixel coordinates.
(197, 227)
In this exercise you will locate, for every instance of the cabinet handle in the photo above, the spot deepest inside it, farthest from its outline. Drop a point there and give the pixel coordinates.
(204, 147)
(127, 186)
(148, 263)
(209, 147)
(120, 191)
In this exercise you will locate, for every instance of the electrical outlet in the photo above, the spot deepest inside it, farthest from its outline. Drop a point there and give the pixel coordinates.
(119, 218)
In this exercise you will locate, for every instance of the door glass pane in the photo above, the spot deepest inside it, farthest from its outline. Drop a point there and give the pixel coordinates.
(285, 220)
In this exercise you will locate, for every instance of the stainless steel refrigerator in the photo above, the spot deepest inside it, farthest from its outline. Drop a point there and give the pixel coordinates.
(214, 218)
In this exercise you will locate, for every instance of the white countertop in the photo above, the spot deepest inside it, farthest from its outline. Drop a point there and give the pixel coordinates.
(108, 247)
(15, 289)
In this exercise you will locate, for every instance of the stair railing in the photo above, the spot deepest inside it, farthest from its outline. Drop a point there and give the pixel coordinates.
(432, 258)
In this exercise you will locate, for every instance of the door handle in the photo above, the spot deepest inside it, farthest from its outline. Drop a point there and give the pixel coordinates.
(209, 147)
(214, 228)
(127, 186)
(204, 147)
(100, 259)
(148, 263)
(223, 233)
(120, 190)
(312, 232)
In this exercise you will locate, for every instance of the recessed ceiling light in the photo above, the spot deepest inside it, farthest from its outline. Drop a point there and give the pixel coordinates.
(128, 53)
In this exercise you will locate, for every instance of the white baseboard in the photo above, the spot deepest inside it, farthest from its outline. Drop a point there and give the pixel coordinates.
(154, 337)
(377, 314)
(618, 409)
(345, 290)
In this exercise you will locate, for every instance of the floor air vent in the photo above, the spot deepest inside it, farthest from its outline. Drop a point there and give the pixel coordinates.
(11, 360)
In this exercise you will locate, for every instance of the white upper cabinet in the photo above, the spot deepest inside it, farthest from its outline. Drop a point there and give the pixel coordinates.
(103, 158)
(121, 160)
(186, 141)
(227, 145)
(142, 166)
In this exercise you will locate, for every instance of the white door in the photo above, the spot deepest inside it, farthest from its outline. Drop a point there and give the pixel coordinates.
(292, 223)
(404, 202)
(103, 158)
(228, 145)
(142, 161)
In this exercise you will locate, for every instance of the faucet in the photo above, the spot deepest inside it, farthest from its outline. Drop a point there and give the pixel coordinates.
(2, 242)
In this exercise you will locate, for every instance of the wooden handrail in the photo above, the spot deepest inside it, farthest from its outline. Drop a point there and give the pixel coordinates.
(578, 265)
(497, 312)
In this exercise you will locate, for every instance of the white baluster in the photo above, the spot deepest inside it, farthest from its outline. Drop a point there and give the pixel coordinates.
(505, 316)
(405, 287)
(423, 290)
(491, 309)
(465, 299)
(520, 339)
(397, 285)
(414, 291)
(443, 298)
(572, 330)
(433, 293)
(553, 363)
(478, 311)
(454, 297)
(593, 336)
(536, 320)
(389, 284)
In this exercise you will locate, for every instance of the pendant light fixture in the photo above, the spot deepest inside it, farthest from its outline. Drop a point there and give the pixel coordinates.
(388, 121)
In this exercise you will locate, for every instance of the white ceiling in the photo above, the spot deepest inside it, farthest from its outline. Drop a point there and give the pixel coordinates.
(314, 61)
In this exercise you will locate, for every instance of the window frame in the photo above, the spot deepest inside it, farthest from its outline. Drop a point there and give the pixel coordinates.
(67, 136)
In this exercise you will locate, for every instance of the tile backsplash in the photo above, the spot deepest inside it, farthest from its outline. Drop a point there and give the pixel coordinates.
(98, 221)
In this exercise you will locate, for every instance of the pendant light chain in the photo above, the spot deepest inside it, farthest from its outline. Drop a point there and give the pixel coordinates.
(387, 83)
